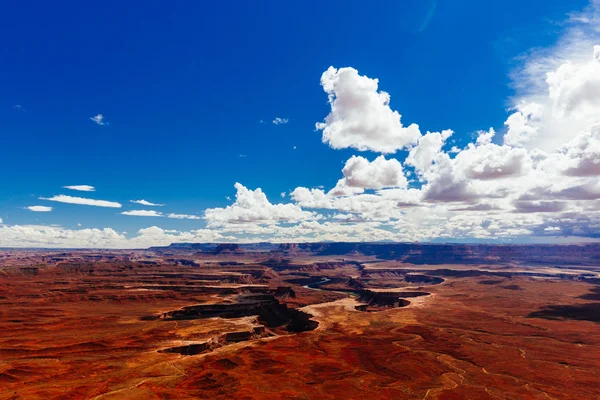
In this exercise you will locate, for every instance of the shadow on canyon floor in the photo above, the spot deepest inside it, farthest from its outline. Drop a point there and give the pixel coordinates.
(581, 312)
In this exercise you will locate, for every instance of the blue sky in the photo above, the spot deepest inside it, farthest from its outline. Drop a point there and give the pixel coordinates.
(183, 89)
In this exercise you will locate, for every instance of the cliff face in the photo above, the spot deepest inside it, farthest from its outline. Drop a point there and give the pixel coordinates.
(416, 253)
(227, 248)
(588, 254)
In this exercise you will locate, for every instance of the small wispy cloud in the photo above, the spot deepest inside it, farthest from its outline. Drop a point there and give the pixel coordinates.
(282, 194)
(61, 198)
(19, 107)
(183, 216)
(99, 119)
(280, 121)
(81, 188)
(143, 213)
(146, 203)
(39, 208)
(153, 213)
(242, 156)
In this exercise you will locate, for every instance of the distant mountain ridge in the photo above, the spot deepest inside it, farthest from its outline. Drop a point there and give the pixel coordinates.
(415, 253)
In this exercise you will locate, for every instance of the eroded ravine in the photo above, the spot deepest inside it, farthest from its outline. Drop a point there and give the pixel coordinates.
(273, 318)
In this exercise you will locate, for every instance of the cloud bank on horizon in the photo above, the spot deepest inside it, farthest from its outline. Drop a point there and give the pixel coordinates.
(534, 179)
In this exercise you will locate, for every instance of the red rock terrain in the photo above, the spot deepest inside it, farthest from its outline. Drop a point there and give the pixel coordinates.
(291, 322)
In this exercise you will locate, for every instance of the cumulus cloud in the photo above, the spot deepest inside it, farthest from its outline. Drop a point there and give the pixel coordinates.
(574, 89)
(361, 117)
(99, 119)
(446, 185)
(429, 145)
(311, 198)
(558, 87)
(582, 154)
(39, 208)
(490, 161)
(384, 205)
(252, 206)
(61, 198)
(280, 121)
(81, 188)
(542, 178)
(146, 203)
(360, 174)
(485, 137)
(523, 124)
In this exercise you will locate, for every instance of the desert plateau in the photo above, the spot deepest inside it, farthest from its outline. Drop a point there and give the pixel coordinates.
(301, 321)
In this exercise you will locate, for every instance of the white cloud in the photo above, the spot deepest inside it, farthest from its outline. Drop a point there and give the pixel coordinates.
(35, 236)
(490, 161)
(153, 213)
(429, 145)
(183, 216)
(360, 174)
(280, 121)
(99, 119)
(39, 208)
(61, 198)
(56, 237)
(361, 116)
(311, 198)
(485, 137)
(252, 206)
(81, 188)
(574, 88)
(146, 203)
(582, 154)
(142, 213)
(523, 124)
(558, 87)
(484, 190)
(444, 185)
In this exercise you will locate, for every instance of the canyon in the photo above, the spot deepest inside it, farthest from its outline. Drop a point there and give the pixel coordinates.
(314, 320)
